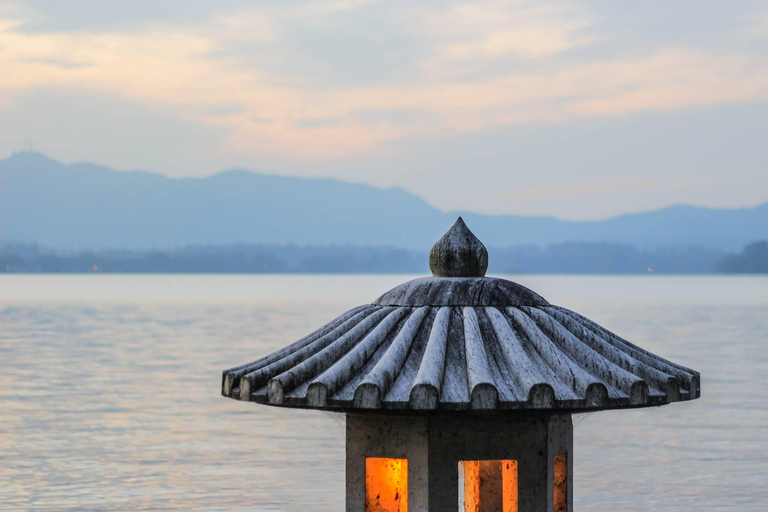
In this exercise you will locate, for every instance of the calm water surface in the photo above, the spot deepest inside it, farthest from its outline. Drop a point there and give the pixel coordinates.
(109, 393)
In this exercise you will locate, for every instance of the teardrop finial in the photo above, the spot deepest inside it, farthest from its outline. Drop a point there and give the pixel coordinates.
(458, 253)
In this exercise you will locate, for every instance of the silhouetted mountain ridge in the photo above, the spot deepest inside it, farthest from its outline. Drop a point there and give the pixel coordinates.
(86, 206)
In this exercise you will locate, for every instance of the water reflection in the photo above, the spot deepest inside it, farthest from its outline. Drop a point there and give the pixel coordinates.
(110, 402)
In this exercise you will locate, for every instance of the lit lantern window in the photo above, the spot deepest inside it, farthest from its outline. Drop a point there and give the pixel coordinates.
(488, 486)
(561, 482)
(386, 485)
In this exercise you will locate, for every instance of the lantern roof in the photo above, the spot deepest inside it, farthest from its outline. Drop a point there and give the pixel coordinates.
(461, 341)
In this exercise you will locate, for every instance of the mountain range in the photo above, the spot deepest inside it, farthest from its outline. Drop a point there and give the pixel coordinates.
(84, 206)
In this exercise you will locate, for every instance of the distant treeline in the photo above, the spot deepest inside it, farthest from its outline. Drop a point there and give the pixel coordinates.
(605, 258)
(568, 258)
(752, 260)
(218, 259)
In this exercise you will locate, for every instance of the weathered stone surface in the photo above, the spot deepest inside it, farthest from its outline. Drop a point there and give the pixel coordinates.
(460, 291)
(434, 446)
(450, 358)
(458, 254)
(461, 343)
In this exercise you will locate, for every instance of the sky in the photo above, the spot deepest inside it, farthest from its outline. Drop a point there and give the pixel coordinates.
(574, 109)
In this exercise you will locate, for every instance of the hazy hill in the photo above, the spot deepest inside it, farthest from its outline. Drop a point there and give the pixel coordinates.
(87, 206)
(84, 206)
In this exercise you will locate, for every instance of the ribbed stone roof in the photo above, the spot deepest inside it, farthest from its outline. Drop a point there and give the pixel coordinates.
(461, 343)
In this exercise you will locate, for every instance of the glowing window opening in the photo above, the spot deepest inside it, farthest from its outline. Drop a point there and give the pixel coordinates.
(488, 486)
(561, 482)
(386, 485)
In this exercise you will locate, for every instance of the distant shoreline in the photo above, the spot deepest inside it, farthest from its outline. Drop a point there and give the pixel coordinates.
(569, 258)
(25, 273)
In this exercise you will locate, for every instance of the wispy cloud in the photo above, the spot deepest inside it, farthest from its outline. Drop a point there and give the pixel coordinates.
(474, 66)
(490, 30)
(756, 27)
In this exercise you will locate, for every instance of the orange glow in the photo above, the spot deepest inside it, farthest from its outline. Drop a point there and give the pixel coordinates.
(561, 482)
(386, 485)
(490, 485)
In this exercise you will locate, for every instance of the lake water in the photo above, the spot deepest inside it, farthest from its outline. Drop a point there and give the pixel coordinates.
(109, 393)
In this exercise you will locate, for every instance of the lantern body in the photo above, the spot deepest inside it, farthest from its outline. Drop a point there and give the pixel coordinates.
(435, 446)
(458, 388)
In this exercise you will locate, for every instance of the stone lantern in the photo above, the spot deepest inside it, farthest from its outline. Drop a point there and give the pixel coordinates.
(459, 388)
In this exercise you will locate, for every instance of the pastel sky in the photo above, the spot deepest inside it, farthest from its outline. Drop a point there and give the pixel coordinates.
(577, 109)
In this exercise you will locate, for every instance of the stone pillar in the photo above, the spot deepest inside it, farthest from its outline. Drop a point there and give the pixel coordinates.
(397, 437)
(434, 446)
